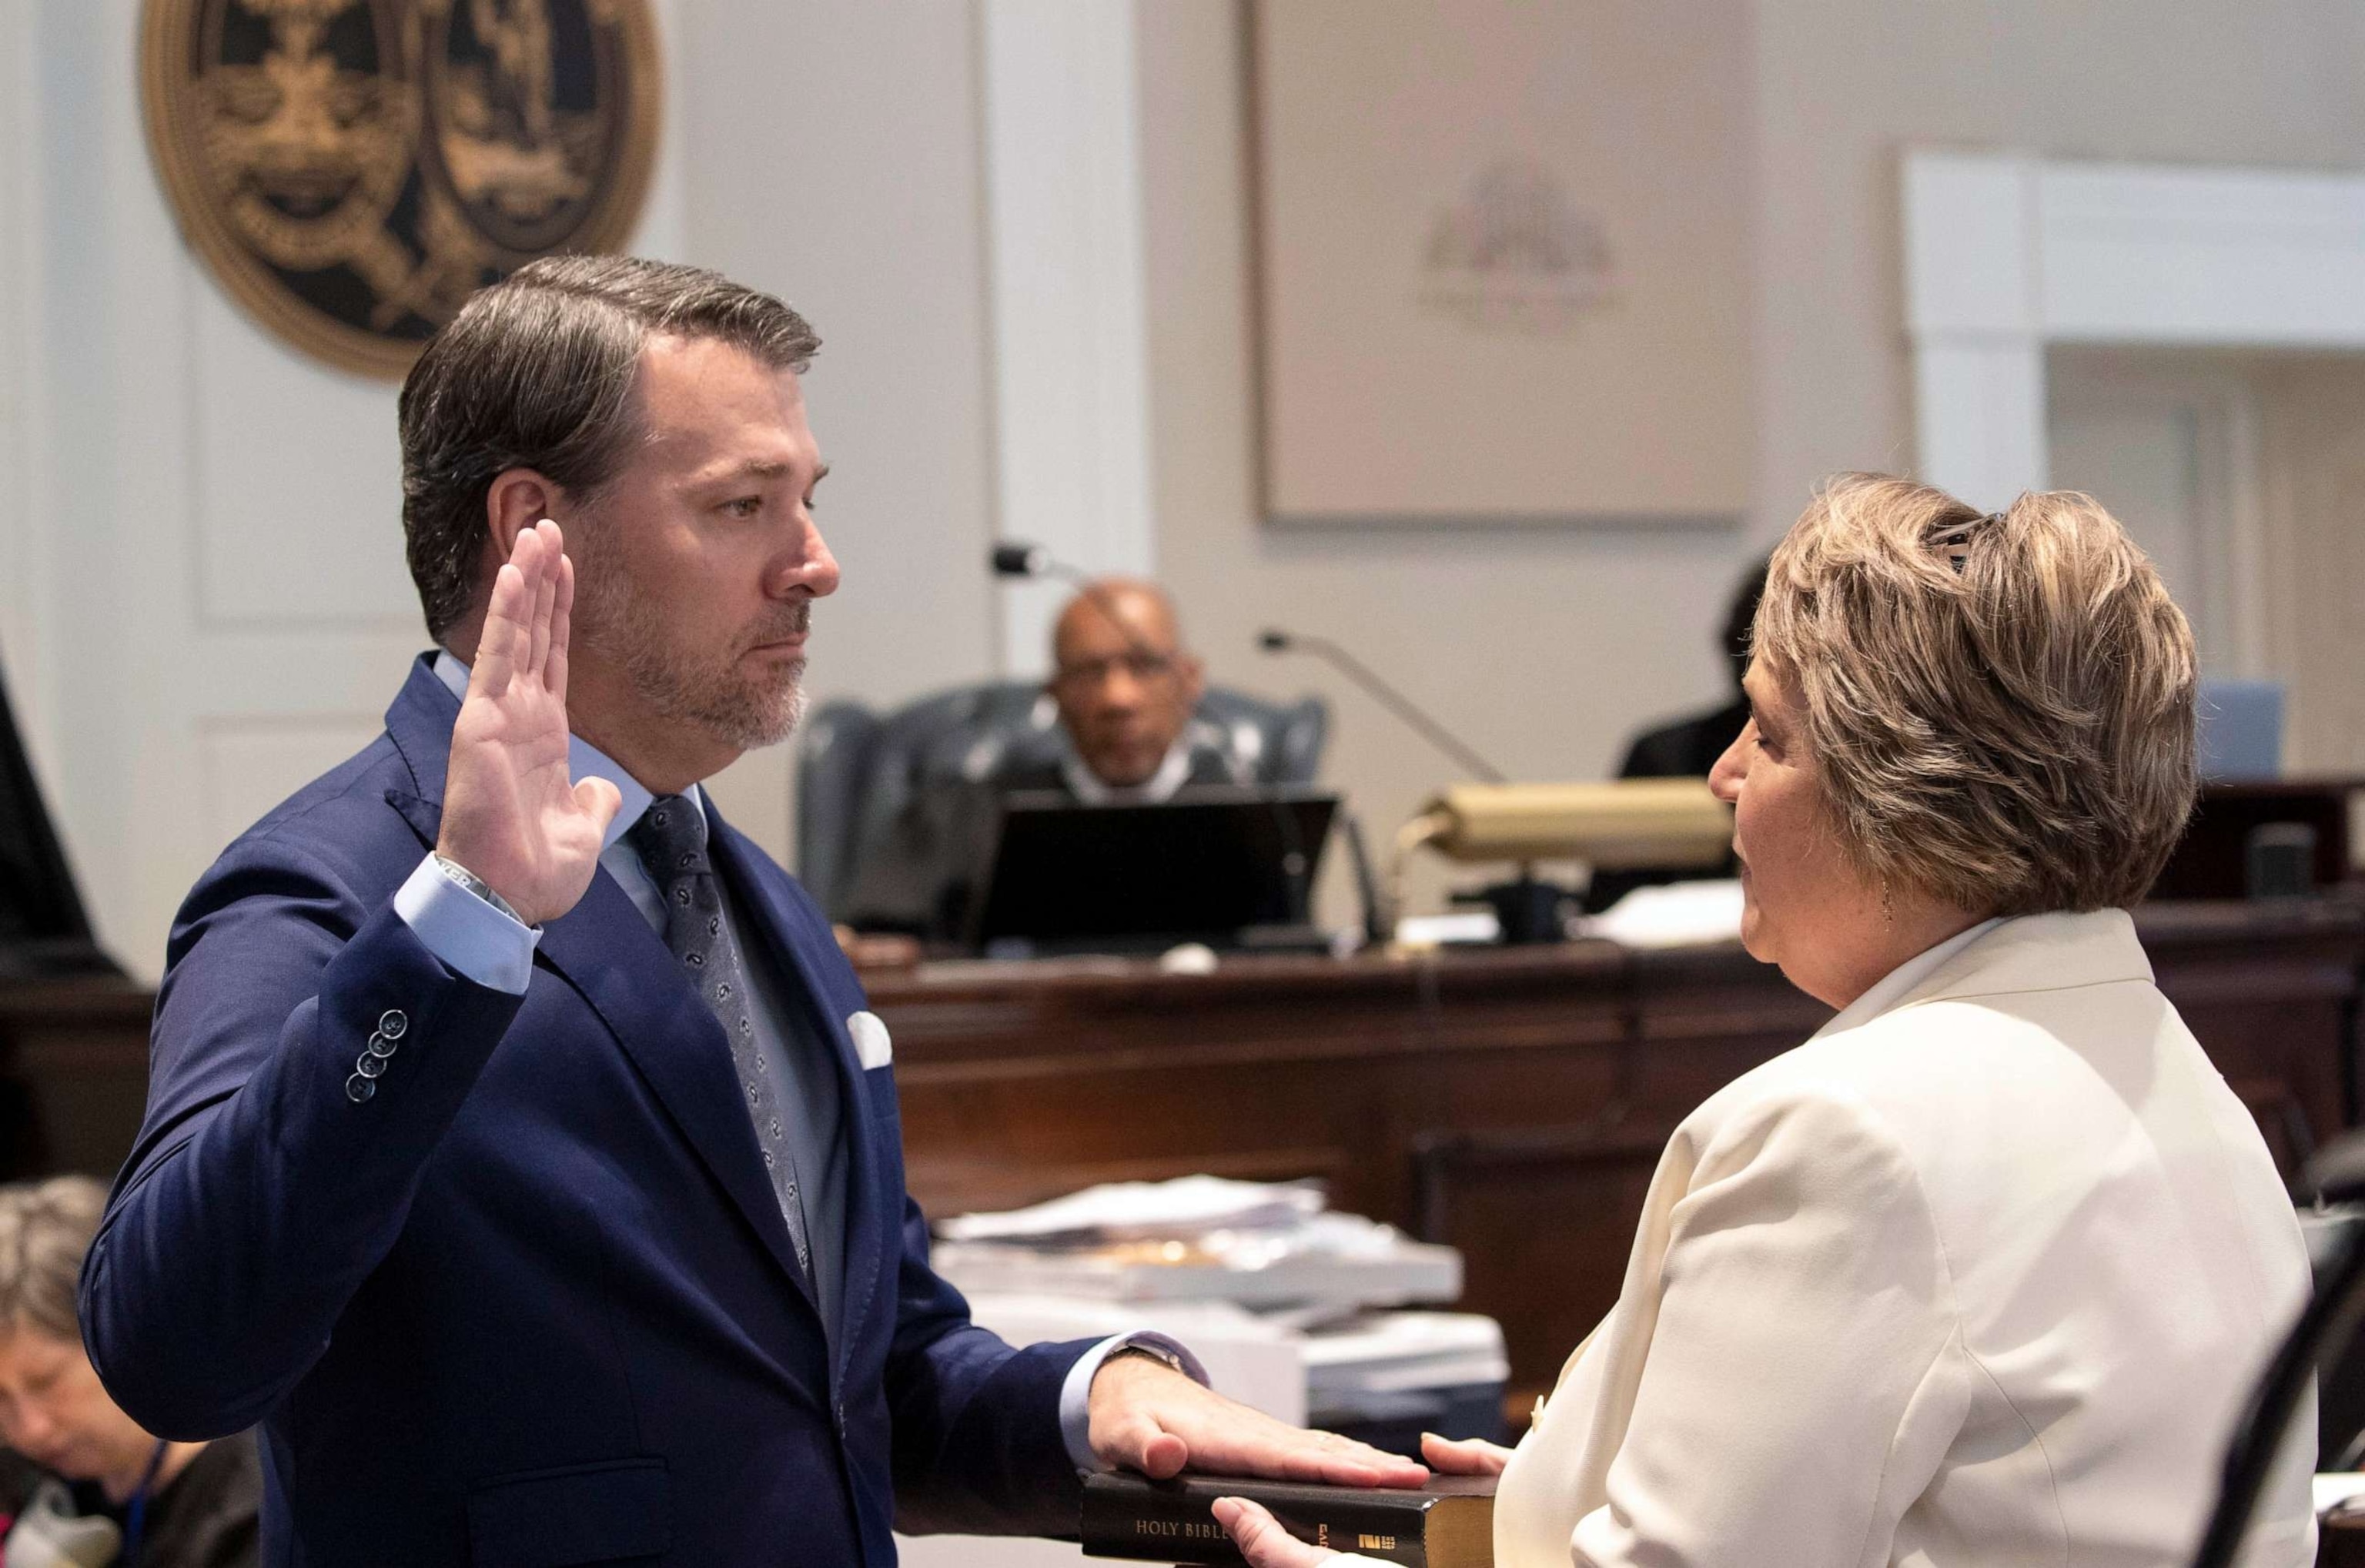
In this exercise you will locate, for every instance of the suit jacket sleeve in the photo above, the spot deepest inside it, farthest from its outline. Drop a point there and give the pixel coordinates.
(1804, 1377)
(260, 1195)
(977, 1447)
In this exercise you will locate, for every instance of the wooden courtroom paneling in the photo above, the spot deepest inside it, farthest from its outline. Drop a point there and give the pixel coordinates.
(73, 1074)
(1512, 1102)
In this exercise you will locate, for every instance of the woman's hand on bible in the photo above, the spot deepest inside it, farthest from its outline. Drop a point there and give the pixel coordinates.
(1467, 1456)
(1262, 1540)
(1265, 1544)
(512, 815)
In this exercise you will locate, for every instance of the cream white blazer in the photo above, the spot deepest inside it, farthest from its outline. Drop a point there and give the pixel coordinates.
(1981, 1274)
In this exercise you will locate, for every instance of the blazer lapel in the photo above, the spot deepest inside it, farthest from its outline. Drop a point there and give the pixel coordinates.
(605, 950)
(756, 881)
(419, 722)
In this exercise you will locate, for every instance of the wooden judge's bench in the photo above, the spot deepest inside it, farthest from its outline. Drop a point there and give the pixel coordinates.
(1510, 1102)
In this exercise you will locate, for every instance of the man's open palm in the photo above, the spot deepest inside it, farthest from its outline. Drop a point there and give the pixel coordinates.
(512, 813)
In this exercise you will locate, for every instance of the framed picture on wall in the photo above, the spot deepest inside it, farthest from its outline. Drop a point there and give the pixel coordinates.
(1503, 252)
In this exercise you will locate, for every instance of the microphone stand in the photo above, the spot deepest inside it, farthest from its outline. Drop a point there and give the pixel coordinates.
(1528, 909)
(1275, 641)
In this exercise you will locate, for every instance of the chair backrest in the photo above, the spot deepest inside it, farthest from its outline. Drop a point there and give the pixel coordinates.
(859, 769)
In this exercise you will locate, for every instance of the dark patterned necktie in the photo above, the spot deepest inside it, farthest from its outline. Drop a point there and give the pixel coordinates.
(671, 838)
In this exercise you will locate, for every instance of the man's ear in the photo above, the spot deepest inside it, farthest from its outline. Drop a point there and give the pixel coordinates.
(1193, 671)
(518, 498)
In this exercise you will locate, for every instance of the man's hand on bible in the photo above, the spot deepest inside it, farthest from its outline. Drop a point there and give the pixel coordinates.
(1150, 1417)
(511, 814)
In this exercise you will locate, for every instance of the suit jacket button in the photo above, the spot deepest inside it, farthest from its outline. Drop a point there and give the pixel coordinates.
(841, 1418)
(359, 1089)
(393, 1022)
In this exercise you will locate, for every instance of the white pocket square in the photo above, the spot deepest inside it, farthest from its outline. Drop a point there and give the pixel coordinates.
(872, 1046)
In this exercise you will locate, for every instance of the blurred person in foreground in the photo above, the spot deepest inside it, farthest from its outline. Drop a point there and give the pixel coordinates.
(1985, 1271)
(102, 1489)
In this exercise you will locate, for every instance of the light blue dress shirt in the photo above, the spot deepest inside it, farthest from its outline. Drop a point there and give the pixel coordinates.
(487, 946)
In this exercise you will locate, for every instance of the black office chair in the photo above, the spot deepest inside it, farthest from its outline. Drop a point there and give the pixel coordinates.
(2321, 1346)
(858, 768)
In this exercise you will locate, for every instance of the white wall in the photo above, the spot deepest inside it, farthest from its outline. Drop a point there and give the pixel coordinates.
(1542, 647)
(204, 603)
(209, 598)
(1547, 649)
(831, 156)
(838, 154)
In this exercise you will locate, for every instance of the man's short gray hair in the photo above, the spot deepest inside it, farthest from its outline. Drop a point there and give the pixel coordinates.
(45, 1229)
(539, 371)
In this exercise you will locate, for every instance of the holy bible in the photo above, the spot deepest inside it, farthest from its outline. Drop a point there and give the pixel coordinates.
(1450, 1523)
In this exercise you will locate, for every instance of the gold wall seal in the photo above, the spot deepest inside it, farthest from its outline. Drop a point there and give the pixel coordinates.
(352, 170)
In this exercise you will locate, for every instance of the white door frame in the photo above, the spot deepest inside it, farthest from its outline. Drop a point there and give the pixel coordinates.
(1066, 292)
(2007, 253)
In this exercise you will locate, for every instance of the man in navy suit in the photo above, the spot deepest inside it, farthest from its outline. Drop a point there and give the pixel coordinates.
(520, 1151)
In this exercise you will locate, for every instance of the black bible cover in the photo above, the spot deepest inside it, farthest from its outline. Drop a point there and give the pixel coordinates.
(1450, 1523)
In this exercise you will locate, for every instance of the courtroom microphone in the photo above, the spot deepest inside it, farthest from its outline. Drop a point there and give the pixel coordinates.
(1016, 559)
(2329, 1322)
(1274, 640)
(1013, 558)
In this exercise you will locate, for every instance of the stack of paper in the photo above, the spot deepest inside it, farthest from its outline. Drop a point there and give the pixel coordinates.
(1364, 1368)
(1268, 1246)
(1132, 1211)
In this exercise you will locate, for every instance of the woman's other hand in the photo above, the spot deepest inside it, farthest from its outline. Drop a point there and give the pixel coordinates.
(1262, 1540)
(1265, 1544)
(1469, 1456)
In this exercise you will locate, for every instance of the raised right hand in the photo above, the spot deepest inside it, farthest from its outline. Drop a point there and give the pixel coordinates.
(511, 814)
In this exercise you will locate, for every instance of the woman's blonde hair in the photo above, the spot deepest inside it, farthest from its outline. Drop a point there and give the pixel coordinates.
(45, 1229)
(1999, 706)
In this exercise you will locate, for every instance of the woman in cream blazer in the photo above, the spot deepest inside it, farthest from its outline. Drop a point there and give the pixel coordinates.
(1982, 1273)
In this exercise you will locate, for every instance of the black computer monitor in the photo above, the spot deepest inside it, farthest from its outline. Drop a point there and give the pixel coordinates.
(44, 928)
(1218, 866)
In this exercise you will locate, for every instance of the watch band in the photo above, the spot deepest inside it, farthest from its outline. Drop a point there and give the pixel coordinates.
(1157, 1353)
(456, 873)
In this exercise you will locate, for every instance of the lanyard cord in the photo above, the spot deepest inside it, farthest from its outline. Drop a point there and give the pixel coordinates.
(135, 1524)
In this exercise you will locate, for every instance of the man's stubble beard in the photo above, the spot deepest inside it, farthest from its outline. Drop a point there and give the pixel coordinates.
(745, 713)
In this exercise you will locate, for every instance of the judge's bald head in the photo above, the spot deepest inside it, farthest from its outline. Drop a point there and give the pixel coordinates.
(1125, 684)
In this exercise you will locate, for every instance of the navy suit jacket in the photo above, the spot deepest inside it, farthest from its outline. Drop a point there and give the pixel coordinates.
(532, 1302)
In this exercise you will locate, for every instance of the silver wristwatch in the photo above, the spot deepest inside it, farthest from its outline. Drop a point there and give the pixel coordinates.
(456, 872)
(1157, 1353)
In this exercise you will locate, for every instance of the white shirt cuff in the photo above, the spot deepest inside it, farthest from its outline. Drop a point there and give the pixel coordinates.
(468, 935)
(1076, 1393)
